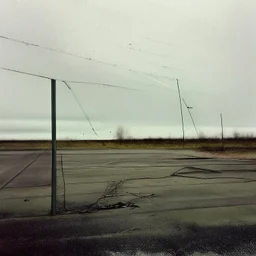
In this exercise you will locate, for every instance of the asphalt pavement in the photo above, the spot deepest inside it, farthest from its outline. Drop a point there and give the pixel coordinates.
(127, 201)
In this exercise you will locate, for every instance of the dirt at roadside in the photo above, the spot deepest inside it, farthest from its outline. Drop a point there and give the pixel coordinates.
(231, 155)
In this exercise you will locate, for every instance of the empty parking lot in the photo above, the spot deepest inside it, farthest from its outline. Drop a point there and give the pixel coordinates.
(144, 180)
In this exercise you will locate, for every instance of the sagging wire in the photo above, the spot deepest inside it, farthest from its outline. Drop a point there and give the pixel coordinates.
(65, 52)
(69, 81)
(166, 85)
(26, 73)
(188, 108)
(149, 76)
(81, 107)
(103, 84)
(55, 50)
(80, 57)
(72, 55)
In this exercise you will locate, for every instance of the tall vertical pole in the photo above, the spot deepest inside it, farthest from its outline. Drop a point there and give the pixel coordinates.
(222, 132)
(53, 110)
(181, 112)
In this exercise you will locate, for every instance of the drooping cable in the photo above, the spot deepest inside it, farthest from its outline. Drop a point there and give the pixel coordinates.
(81, 107)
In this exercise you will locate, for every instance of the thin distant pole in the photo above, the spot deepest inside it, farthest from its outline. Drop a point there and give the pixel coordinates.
(181, 112)
(222, 131)
(188, 108)
(54, 183)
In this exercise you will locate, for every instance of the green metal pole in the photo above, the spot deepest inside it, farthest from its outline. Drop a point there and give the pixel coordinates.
(53, 110)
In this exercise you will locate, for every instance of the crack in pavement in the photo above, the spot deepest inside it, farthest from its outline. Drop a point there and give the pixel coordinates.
(112, 188)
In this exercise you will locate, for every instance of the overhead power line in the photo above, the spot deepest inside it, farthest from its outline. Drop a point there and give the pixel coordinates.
(148, 75)
(88, 59)
(66, 52)
(55, 50)
(81, 57)
(26, 73)
(103, 84)
(81, 107)
(69, 81)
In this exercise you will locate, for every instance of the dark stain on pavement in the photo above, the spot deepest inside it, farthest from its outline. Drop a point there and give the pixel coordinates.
(88, 236)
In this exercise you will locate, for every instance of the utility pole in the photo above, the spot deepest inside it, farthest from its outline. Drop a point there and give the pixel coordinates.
(53, 114)
(181, 112)
(222, 132)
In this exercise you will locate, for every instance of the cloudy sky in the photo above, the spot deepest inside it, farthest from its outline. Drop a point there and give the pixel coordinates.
(138, 44)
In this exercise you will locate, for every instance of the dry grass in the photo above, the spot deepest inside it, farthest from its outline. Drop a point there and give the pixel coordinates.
(210, 145)
(235, 154)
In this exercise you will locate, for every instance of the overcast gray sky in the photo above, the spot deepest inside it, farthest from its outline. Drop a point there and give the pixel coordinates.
(144, 44)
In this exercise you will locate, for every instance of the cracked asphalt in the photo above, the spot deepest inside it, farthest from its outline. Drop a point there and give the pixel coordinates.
(184, 203)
